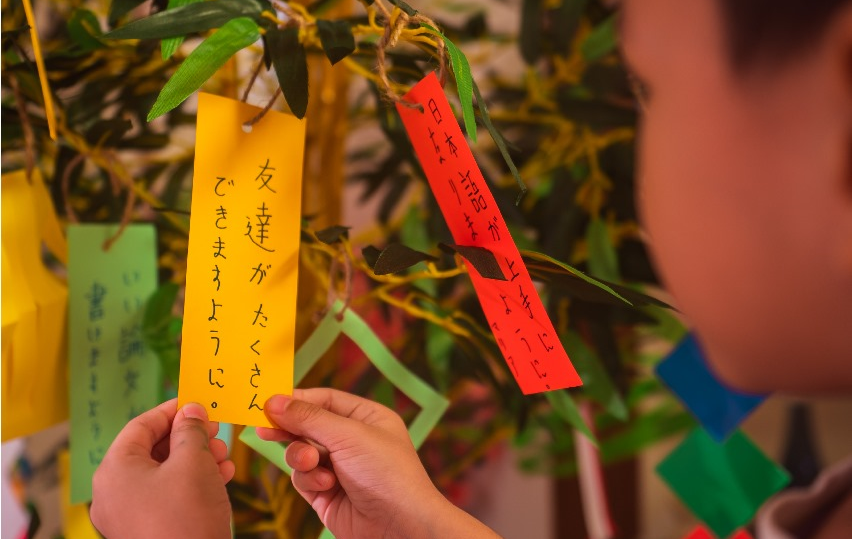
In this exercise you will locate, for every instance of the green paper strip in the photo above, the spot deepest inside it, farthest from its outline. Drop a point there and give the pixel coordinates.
(113, 376)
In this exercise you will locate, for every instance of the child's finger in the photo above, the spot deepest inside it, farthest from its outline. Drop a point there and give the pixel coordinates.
(227, 470)
(317, 480)
(189, 431)
(141, 435)
(219, 449)
(213, 428)
(302, 456)
(274, 435)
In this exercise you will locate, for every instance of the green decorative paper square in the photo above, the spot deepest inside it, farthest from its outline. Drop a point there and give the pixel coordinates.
(722, 484)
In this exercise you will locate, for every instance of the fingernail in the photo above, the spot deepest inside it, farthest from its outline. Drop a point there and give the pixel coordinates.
(276, 404)
(192, 410)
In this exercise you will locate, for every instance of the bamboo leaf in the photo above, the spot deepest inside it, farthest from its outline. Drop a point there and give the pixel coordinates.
(84, 29)
(410, 11)
(170, 44)
(188, 19)
(464, 81)
(567, 20)
(567, 409)
(597, 383)
(601, 41)
(480, 258)
(120, 8)
(531, 31)
(551, 265)
(333, 234)
(603, 260)
(160, 329)
(203, 62)
(337, 39)
(500, 142)
(394, 258)
(291, 67)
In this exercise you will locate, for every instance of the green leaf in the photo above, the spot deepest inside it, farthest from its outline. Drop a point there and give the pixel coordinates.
(204, 61)
(84, 29)
(383, 393)
(291, 67)
(545, 266)
(394, 258)
(648, 429)
(170, 44)
(567, 20)
(597, 384)
(603, 260)
(601, 41)
(668, 327)
(158, 308)
(337, 39)
(410, 11)
(567, 409)
(333, 234)
(499, 141)
(120, 8)
(480, 258)
(160, 329)
(188, 19)
(531, 33)
(464, 81)
(439, 348)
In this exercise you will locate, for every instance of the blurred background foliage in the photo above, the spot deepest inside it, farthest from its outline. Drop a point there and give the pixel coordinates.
(561, 105)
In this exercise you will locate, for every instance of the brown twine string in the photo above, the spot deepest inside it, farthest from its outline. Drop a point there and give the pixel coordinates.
(331, 294)
(66, 175)
(252, 80)
(115, 183)
(26, 126)
(266, 109)
(390, 38)
(347, 286)
(127, 215)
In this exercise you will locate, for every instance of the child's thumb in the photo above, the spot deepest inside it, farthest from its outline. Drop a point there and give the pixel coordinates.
(189, 431)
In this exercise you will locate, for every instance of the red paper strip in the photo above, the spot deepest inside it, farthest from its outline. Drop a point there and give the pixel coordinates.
(700, 532)
(517, 317)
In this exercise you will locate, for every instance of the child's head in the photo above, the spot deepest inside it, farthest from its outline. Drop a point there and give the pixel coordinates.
(746, 179)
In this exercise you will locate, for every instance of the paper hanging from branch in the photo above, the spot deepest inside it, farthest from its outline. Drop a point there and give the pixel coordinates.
(719, 408)
(241, 284)
(517, 317)
(34, 314)
(114, 376)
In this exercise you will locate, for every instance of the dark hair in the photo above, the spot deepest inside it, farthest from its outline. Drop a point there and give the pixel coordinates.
(774, 29)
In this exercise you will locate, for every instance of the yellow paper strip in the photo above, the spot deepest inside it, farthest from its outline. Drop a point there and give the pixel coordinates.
(42, 72)
(34, 319)
(240, 312)
(76, 523)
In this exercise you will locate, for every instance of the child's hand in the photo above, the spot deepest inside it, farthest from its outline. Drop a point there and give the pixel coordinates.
(354, 463)
(164, 476)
